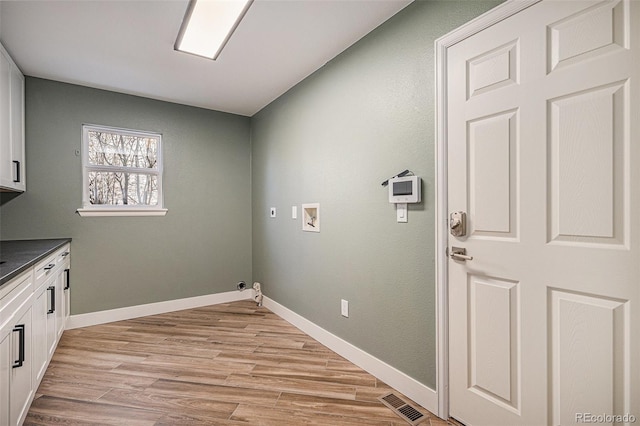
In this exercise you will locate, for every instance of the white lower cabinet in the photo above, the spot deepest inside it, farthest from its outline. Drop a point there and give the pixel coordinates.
(33, 312)
(59, 305)
(66, 291)
(16, 330)
(53, 295)
(40, 344)
(45, 316)
(5, 349)
(21, 390)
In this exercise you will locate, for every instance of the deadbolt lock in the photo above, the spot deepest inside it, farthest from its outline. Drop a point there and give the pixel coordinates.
(458, 224)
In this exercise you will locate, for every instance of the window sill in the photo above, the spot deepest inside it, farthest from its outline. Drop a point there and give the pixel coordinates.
(102, 212)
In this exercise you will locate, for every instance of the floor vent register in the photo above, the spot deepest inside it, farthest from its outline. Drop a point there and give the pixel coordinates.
(402, 408)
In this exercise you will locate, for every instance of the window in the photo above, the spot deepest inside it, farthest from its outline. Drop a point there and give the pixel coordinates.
(122, 172)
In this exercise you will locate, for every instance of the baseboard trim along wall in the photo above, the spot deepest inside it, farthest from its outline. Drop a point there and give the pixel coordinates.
(120, 314)
(422, 394)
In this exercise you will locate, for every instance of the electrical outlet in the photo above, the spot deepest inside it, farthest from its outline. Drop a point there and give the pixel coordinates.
(272, 212)
(344, 308)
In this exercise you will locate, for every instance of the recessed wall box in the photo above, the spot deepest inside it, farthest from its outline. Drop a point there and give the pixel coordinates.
(406, 189)
(311, 217)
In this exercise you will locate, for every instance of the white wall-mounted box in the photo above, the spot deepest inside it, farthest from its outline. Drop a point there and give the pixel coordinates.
(406, 189)
(311, 217)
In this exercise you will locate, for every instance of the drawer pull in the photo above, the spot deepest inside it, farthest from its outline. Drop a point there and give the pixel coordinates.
(20, 361)
(17, 178)
(49, 266)
(65, 254)
(67, 285)
(52, 299)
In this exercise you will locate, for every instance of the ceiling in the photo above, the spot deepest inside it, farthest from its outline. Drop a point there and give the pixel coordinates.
(127, 46)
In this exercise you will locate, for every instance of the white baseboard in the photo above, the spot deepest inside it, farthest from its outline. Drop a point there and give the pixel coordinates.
(423, 395)
(120, 314)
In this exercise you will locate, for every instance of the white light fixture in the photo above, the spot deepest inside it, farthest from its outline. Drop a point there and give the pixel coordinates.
(208, 25)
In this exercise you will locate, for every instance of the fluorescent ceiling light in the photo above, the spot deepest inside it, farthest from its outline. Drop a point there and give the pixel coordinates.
(208, 25)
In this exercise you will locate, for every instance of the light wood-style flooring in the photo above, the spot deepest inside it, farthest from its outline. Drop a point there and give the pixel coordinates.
(228, 364)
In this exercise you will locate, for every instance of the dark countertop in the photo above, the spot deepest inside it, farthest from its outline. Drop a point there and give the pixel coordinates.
(19, 255)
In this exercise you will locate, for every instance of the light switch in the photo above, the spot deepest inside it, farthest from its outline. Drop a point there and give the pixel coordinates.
(294, 212)
(401, 212)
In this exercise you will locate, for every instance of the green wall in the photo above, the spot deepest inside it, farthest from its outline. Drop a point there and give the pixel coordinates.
(333, 139)
(202, 245)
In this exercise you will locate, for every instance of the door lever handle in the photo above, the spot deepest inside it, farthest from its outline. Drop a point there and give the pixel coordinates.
(459, 253)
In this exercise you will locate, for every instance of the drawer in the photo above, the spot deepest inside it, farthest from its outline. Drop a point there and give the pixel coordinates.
(62, 255)
(44, 269)
(49, 265)
(8, 288)
(18, 290)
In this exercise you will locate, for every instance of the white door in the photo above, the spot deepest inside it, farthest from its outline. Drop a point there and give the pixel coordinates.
(543, 137)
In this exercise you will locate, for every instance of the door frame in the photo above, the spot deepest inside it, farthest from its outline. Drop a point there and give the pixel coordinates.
(441, 46)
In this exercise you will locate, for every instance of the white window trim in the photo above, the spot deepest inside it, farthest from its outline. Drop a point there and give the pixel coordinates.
(91, 210)
(125, 211)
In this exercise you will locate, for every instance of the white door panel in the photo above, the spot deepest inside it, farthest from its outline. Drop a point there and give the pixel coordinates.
(542, 139)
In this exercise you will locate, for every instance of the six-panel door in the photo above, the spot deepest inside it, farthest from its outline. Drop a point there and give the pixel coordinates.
(542, 131)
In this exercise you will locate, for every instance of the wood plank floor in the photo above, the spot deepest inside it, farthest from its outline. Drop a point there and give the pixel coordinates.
(228, 364)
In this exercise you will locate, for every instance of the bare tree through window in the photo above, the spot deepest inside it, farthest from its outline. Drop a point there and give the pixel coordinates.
(122, 167)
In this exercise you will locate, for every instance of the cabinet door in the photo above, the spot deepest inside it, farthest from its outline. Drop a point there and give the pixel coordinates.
(6, 169)
(66, 293)
(51, 290)
(60, 296)
(39, 342)
(17, 129)
(5, 365)
(21, 385)
(12, 153)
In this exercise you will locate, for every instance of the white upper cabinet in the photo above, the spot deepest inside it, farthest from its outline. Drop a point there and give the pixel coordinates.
(12, 154)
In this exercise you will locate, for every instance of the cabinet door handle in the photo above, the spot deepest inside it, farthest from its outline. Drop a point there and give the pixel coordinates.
(20, 361)
(68, 277)
(17, 163)
(52, 299)
(65, 254)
